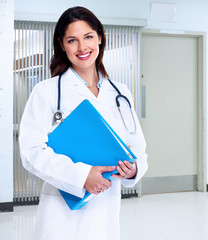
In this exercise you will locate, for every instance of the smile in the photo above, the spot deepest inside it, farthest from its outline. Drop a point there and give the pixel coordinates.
(84, 56)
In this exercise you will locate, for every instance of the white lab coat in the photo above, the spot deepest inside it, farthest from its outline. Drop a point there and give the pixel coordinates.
(99, 219)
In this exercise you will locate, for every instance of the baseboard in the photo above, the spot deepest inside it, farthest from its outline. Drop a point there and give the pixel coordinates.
(26, 201)
(6, 207)
(168, 184)
(129, 195)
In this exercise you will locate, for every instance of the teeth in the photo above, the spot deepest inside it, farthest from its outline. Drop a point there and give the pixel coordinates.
(83, 56)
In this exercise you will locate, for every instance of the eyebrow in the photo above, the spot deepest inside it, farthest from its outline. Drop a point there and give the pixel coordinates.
(84, 35)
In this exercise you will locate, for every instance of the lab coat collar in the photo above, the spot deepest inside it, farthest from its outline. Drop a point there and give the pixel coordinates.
(69, 78)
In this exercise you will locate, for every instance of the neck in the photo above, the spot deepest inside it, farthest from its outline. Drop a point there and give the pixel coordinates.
(90, 75)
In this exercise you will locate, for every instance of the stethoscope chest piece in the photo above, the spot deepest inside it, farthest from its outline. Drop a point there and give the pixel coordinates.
(59, 116)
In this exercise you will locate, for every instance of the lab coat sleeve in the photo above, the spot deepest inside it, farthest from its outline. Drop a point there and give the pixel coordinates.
(138, 147)
(56, 169)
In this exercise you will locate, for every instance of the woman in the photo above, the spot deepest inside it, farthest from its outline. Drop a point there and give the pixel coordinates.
(79, 43)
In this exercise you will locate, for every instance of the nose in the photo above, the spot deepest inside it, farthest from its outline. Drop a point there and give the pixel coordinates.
(81, 46)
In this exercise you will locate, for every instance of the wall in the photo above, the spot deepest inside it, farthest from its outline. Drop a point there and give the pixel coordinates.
(191, 14)
(6, 100)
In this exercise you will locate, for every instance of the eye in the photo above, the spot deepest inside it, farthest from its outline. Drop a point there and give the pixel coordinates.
(89, 37)
(71, 41)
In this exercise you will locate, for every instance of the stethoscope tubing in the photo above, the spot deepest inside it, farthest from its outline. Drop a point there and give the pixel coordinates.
(59, 93)
(59, 115)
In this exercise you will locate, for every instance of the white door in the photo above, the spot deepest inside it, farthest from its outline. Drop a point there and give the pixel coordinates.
(169, 111)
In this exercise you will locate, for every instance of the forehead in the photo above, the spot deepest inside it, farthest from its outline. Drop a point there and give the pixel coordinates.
(78, 28)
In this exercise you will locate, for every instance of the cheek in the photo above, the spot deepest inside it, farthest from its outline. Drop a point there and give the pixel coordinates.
(69, 51)
(96, 47)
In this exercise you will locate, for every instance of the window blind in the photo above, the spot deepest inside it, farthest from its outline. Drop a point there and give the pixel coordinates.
(33, 49)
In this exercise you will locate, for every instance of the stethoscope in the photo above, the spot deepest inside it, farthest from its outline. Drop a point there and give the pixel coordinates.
(59, 115)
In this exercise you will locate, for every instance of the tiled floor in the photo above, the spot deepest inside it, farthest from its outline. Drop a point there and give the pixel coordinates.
(175, 216)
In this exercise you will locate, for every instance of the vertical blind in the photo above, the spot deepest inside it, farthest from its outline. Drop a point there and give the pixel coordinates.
(33, 49)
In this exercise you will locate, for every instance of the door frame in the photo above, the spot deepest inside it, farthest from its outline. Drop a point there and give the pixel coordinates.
(201, 96)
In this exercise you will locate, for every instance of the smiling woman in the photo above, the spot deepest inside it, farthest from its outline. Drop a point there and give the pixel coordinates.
(79, 34)
(32, 66)
(79, 43)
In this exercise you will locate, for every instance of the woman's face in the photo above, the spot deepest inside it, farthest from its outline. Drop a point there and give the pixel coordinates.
(81, 44)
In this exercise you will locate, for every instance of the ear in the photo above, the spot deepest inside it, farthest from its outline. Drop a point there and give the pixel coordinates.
(99, 40)
(61, 44)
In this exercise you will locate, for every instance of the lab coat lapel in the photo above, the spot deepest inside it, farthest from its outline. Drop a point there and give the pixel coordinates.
(70, 79)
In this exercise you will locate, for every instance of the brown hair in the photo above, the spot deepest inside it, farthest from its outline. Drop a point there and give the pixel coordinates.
(59, 62)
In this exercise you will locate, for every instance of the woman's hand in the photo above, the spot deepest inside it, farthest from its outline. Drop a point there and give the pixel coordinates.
(95, 182)
(125, 170)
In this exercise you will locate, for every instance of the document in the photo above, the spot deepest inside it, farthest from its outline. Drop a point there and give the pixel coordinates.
(82, 129)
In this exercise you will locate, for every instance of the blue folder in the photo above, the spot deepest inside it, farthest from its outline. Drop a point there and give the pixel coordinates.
(86, 137)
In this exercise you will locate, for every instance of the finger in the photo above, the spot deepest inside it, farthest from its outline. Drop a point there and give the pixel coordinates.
(104, 188)
(118, 176)
(124, 168)
(106, 169)
(101, 189)
(97, 192)
(106, 183)
(94, 191)
(98, 189)
(121, 172)
(129, 165)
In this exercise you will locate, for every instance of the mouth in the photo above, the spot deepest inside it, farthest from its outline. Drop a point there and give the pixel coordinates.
(84, 56)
